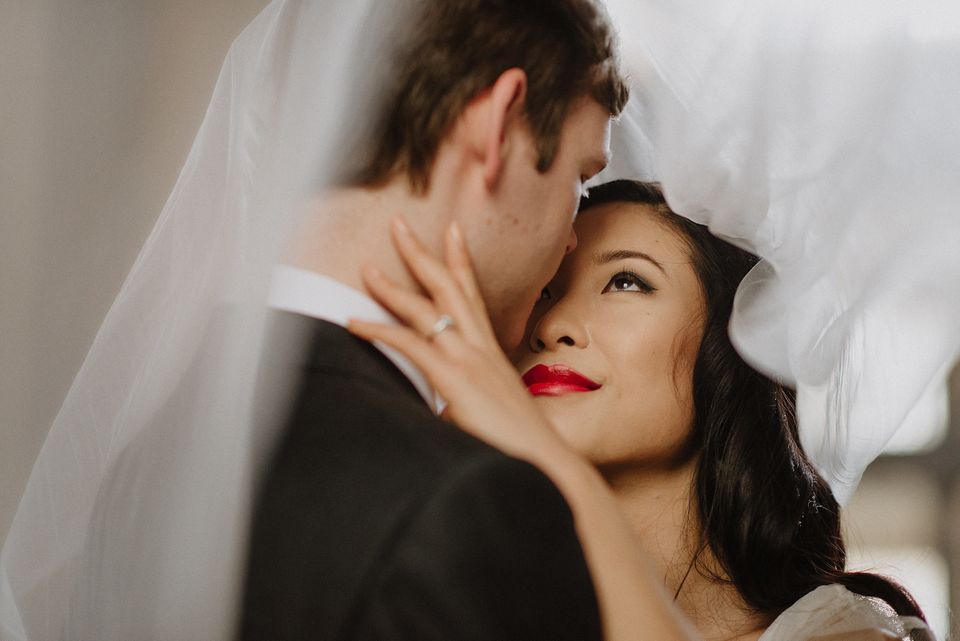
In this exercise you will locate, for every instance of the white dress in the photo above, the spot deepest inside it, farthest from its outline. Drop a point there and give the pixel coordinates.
(834, 610)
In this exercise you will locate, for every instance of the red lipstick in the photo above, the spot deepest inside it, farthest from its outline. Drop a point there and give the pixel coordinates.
(554, 380)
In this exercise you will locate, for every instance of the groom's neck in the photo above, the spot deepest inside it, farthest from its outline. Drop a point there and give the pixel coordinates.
(348, 228)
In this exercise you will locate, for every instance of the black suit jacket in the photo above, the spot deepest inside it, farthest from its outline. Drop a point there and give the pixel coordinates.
(377, 520)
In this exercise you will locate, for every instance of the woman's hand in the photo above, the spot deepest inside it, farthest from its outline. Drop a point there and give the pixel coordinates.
(463, 362)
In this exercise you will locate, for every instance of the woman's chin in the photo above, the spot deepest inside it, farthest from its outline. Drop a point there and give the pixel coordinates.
(562, 408)
(572, 419)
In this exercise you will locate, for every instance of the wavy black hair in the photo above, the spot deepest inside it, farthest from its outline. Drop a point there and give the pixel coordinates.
(767, 516)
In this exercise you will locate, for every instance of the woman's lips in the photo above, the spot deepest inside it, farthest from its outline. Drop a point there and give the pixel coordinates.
(554, 380)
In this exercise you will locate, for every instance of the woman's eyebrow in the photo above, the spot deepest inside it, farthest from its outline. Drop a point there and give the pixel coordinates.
(620, 254)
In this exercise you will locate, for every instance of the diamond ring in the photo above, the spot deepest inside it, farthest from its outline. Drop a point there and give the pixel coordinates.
(443, 323)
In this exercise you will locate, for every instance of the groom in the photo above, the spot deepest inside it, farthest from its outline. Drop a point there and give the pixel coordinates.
(375, 519)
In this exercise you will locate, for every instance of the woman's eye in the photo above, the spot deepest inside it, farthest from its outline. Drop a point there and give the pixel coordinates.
(627, 282)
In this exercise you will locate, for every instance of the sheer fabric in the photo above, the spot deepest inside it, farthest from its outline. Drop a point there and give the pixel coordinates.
(823, 137)
(833, 610)
(133, 523)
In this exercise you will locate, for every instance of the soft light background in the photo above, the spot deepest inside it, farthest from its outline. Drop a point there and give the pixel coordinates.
(99, 102)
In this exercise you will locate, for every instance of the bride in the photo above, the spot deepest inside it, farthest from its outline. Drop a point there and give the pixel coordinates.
(660, 436)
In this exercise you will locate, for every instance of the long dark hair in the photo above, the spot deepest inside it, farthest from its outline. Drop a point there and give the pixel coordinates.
(769, 519)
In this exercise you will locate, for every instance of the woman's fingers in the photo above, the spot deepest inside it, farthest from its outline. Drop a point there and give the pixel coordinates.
(460, 264)
(412, 309)
(434, 277)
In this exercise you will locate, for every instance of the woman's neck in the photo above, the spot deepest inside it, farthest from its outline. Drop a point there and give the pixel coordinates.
(658, 504)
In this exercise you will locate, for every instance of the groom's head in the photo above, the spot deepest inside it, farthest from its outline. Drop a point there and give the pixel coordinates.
(500, 109)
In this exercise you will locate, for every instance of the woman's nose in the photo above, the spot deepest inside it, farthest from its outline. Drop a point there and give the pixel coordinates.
(557, 327)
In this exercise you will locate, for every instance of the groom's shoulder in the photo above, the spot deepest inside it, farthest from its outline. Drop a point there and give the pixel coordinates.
(371, 423)
(353, 413)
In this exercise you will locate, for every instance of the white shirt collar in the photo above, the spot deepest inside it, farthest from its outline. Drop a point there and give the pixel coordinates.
(311, 294)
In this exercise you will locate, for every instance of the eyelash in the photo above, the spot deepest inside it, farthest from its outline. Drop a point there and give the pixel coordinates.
(645, 288)
(634, 279)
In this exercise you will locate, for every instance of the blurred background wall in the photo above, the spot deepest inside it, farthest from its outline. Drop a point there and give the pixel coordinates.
(99, 102)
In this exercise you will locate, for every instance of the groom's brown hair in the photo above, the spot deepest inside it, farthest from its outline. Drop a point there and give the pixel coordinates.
(457, 48)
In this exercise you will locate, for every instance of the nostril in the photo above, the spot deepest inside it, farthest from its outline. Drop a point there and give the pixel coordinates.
(540, 345)
(566, 340)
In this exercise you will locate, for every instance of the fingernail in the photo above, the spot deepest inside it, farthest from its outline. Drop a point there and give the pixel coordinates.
(355, 326)
(455, 234)
(372, 272)
(401, 227)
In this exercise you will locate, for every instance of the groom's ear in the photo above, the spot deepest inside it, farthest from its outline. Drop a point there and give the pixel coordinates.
(491, 117)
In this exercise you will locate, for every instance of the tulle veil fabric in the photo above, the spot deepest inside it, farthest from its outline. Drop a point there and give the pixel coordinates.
(820, 135)
(133, 522)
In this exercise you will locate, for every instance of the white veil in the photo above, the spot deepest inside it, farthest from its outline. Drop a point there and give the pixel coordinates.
(133, 522)
(822, 136)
